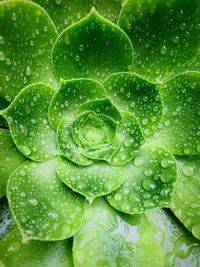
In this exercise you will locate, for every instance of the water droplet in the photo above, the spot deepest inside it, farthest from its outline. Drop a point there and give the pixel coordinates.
(196, 230)
(167, 162)
(28, 71)
(25, 150)
(81, 47)
(139, 161)
(149, 185)
(2, 41)
(58, 2)
(77, 58)
(189, 169)
(163, 50)
(14, 16)
(175, 39)
(2, 56)
(182, 247)
(33, 201)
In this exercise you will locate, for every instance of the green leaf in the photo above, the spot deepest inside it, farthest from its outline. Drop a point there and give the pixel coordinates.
(164, 34)
(149, 182)
(130, 92)
(66, 145)
(101, 106)
(6, 221)
(179, 247)
(3, 104)
(42, 207)
(108, 238)
(10, 159)
(179, 129)
(92, 130)
(27, 37)
(27, 117)
(70, 95)
(66, 12)
(92, 181)
(14, 253)
(92, 47)
(186, 200)
(131, 138)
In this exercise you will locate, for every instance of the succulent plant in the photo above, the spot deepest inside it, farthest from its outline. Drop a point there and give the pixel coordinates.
(100, 133)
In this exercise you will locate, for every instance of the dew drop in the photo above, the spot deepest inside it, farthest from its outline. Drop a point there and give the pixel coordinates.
(28, 71)
(58, 2)
(163, 50)
(2, 41)
(77, 58)
(182, 247)
(175, 39)
(81, 47)
(188, 169)
(14, 16)
(2, 56)
(139, 161)
(25, 150)
(33, 201)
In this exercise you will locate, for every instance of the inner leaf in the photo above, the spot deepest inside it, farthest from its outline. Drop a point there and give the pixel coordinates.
(70, 95)
(93, 130)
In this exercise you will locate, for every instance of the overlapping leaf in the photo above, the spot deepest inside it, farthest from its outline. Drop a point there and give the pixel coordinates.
(149, 182)
(180, 248)
(27, 117)
(92, 181)
(92, 47)
(65, 12)
(108, 238)
(164, 34)
(130, 92)
(14, 253)
(43, 208)
(186, 198)
(10, 159)
(27, 35)
(179, 129)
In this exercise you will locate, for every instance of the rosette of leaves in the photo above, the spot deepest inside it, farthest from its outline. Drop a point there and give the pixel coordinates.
(99, 133)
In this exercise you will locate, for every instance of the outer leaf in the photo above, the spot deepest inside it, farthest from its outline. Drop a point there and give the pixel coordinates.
(10, 159)
(13, 253)
(130, 92)
(179, 247)
(179, 129)
(43, 208)
(66, 145)
(101, 106)
(65, 12)
(3, 104)
(92, 181)
(70, 95)
(92, 47)
(131, 137)
(149, 182)
(6, 221)
(27, 36)
(165, 35)
(186, 199)
(27, 117)
(111, 239)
